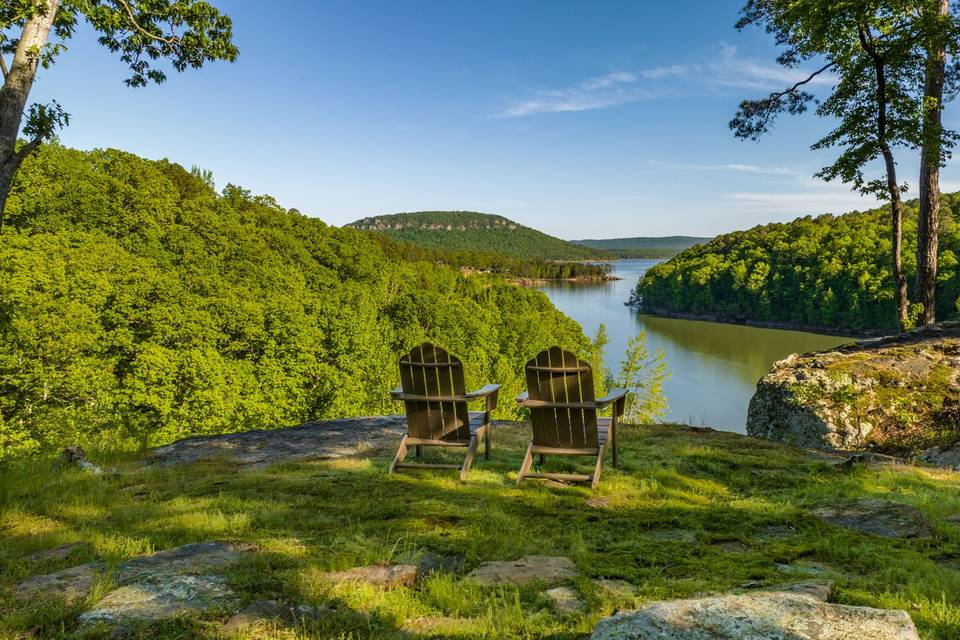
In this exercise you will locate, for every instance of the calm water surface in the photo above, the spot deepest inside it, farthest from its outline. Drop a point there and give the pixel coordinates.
(714, 368)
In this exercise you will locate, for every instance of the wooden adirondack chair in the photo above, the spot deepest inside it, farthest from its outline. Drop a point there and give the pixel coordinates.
(434, 395)
(564, 414)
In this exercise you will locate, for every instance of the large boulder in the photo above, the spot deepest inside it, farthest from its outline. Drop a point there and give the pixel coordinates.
(756, 616)
(897, 395)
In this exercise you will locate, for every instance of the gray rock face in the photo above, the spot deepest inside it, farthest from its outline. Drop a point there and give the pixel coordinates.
(877, 393)
(70, 585)
(550, 569)
(880, 518)
(62, 552)
(151, 587)
(311, 441)
(392, 575)
(565, 600)
(949, 458)
(759, 616)
(270, 612)
(159, 597)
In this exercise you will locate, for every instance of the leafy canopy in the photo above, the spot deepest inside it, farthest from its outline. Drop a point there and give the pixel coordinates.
(139, 306)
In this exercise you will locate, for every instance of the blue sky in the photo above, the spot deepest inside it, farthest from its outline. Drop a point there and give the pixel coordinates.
(583, 119)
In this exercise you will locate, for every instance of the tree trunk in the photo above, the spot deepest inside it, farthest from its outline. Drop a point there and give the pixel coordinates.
(896, 213)
(16, 90)
(929, 223)
(893, 189)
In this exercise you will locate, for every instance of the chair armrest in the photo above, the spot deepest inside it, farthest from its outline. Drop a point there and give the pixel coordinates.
(612, 396)
(490, 392)
(483, 392)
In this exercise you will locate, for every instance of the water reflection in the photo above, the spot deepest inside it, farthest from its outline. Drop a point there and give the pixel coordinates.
(714, 367)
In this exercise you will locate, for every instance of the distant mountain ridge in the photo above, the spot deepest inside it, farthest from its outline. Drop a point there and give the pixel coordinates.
(474, 231)
(644, 246)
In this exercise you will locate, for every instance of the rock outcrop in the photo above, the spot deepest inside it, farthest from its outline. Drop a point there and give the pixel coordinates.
(896, 395)
(149, 588)
(757, 616)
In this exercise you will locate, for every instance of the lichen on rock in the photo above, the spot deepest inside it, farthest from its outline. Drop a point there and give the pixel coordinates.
(895, 395)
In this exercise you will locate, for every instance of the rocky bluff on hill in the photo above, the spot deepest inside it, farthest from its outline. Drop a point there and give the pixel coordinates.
(898, 395)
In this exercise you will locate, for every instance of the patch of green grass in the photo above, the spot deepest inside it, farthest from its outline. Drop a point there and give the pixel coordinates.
(311, 518)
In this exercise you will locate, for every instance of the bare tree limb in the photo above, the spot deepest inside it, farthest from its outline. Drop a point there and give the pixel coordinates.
(171, 41)
(3, 67)
(762, 112)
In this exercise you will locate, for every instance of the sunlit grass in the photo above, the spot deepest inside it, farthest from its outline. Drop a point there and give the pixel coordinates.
(659, 522)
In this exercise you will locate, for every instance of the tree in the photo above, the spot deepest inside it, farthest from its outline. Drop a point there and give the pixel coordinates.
(940, 34)
(871, 48)
(643, 375)
(187, 33)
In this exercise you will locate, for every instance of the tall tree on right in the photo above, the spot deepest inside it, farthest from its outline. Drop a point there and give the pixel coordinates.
(889, 61)
(872, 64)
(938, 35)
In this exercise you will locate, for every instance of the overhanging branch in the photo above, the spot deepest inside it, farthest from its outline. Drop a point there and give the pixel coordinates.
(171, 41)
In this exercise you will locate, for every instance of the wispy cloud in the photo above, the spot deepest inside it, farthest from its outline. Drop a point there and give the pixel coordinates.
(729, 168)
(731, 70)
(727, 71)
(594, 93)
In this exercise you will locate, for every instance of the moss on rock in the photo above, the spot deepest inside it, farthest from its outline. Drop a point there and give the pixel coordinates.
(896, 395)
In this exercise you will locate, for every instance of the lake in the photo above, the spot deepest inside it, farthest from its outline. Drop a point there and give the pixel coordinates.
(714, 367)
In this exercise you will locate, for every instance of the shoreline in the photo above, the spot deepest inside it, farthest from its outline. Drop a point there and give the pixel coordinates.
(537, 282)
(760, 324)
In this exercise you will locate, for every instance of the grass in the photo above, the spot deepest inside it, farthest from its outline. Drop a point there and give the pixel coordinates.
(315, 517)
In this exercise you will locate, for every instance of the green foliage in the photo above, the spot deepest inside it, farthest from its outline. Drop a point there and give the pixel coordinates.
(643, 247)
(474, 260)
(643, 375)
(188, 33)
(829, 271)
(138, 306)
(467, 231)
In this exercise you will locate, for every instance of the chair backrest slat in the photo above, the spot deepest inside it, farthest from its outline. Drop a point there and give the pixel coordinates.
(430, 372)
(556, 375)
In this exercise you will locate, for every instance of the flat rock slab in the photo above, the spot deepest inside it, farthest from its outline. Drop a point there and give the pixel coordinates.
(69, 585)
(270, 612)
(391, 575)
(62, 552)
(431, 563)
(77, 582)
(776, 532)
(159, 598)
(879, 517)
(760, 616)
(326, 440)
(687, 536)
(565, 600)
(550, 569)
(616, 587)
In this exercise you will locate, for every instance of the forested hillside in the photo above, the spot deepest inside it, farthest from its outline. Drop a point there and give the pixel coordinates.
(643, 246)
(830, 272)
(469, 231)
(137, 305)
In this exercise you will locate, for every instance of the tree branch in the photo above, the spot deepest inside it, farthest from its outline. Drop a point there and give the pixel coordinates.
(171, 41)
(3, 67)
(755, 116)
(27, 149)
(776, 96)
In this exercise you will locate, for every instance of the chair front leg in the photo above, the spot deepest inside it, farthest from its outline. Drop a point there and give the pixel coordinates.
(401, 454)
(613, 438)
(487, 440)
